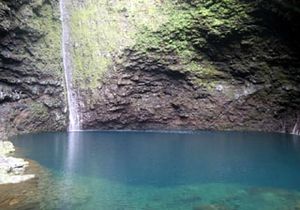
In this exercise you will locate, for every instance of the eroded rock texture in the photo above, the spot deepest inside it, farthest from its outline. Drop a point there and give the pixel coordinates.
(31, 77)
(216, 65)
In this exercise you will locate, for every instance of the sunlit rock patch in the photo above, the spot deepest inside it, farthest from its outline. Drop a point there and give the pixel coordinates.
(12, 170)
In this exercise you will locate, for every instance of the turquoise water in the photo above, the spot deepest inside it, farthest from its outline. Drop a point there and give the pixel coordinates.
(157, 170)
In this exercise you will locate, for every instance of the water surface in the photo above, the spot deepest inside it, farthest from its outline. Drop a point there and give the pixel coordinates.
(160, 170)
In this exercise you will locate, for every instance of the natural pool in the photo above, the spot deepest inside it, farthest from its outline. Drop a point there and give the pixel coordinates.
(160, 170)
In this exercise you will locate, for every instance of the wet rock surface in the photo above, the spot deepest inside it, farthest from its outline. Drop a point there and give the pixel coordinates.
(41, 192)
(245, 77)
(12, 170)
(31, 76)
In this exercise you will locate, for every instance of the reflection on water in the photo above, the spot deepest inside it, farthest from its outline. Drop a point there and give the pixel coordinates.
(74, 145)
(140, 170)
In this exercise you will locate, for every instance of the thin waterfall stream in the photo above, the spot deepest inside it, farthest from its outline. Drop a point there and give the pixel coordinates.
(296, 131)
(74, 119)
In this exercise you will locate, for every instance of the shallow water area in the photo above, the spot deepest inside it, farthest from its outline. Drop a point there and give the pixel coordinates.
(165, 170)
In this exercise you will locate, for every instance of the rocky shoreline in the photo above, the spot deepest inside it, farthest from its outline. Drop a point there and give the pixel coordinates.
(12, 170)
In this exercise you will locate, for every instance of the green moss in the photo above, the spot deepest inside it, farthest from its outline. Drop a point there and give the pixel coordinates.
(177, 34)
(187, 31)
(47, 49)
(205, 74)
(101, 30)
(38, 111)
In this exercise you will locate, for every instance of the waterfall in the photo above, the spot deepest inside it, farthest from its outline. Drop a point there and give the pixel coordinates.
(74, 120)
(295, 130)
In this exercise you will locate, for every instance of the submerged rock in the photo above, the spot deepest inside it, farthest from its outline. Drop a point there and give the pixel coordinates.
(12, 169)
(43, 192)
(211, 207)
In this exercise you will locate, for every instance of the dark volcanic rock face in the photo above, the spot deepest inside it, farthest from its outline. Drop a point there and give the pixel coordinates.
(31, 78)
(241, 72)
(154, 97)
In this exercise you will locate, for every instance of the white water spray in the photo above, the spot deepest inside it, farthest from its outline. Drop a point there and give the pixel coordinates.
(74, 120)
(295, 130)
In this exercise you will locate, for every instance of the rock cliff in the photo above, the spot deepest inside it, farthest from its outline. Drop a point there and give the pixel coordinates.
(31, 76)
(226, 65)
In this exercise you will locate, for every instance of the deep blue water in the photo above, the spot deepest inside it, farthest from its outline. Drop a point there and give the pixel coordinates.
(160, 170)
